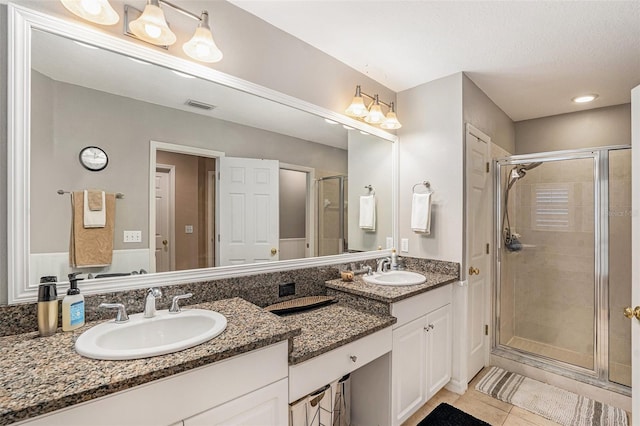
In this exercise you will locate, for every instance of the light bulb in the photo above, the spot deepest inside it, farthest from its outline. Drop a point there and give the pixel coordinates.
(201, 47)
(152, 31)
(375, 115)
(152, 26)
(391, 122)
(91, 6)
(96, 11)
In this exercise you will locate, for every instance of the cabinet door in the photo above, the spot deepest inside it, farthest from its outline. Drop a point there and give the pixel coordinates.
(408, 366)
(266, 406)
(439, 343)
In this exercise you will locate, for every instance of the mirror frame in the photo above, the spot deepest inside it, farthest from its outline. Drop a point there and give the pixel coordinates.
(21, 21)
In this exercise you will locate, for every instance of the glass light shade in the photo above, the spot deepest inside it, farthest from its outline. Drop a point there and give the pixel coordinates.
(391, 122)
(357, 107)
(375, 115)
(201, 47)
(96, 11)
(152, 26)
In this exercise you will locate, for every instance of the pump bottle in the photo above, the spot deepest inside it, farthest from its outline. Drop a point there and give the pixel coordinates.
(73, 305)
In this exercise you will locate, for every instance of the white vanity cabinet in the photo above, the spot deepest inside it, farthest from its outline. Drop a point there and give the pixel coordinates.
(422, 350)
(247, 389)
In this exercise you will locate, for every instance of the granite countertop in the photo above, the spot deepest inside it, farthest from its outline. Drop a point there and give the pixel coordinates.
(329, 327)
(44, 374)
(391, 293)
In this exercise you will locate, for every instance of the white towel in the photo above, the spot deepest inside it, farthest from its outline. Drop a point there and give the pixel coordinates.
(368, 212)
(421, 213)
(94, 218)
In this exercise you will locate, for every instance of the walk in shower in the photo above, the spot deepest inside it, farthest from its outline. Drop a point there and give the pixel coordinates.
(563, 263)
(332, 215)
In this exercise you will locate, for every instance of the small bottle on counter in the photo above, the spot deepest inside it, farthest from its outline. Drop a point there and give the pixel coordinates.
(47, 306)
(394, 260)
(73, 305)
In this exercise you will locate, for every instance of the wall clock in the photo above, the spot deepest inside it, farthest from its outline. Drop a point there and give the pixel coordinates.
(93, 158)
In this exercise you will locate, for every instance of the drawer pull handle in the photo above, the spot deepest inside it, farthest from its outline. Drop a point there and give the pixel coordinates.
(353, 358)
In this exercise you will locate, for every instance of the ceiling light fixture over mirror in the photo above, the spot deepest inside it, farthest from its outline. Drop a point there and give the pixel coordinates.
(96, 11)
(372, 113)
(152, 27)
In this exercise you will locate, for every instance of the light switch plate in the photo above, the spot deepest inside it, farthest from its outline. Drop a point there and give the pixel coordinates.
(404, 245)
(188, 229)
(389, 242)
(132, 237)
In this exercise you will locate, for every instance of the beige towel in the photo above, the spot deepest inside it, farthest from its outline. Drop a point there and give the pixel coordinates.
(91, 246)
(91, 218)
(96, 200)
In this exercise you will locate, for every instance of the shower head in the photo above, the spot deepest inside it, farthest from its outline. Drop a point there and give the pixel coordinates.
(519, 171)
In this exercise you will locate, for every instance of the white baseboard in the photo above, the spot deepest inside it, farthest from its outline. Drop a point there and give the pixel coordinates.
(457, 386)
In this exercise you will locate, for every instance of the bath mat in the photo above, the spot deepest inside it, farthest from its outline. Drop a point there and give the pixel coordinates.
(447, 415)
(558, 405)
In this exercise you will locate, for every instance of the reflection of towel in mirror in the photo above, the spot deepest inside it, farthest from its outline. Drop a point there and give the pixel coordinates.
(93, 217)
(421, 213)
(91, 246)
(368, 212)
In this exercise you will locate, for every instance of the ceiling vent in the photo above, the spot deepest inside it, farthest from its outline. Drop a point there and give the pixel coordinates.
(198, 104)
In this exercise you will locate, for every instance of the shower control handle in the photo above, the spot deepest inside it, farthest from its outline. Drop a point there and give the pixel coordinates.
(630, 313)
(473, 271)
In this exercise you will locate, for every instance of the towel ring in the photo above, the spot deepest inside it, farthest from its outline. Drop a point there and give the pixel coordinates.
(372, 191)
(426, 185)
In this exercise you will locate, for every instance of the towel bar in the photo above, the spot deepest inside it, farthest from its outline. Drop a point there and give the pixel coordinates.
(119, 195)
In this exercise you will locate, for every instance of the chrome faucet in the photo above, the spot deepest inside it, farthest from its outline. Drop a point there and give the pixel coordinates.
(150, 302)
(364, 269)
(384, 264)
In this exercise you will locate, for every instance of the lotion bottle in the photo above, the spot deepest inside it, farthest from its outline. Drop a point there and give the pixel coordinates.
(73, 306)
(394, 260)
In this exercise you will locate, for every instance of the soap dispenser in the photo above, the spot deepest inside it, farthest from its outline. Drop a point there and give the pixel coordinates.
(73, 305)
(394, 260)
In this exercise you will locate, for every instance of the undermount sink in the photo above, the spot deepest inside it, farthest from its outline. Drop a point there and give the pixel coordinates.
(395, 278)
(145, 337)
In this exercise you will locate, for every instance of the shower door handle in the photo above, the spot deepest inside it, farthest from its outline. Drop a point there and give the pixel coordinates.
(473, 271)
(630, 313)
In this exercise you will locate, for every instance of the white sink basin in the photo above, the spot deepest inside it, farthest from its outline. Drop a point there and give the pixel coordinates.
(145, 337)
(395, 278)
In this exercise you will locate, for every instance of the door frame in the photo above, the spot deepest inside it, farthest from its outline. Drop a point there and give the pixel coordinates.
(635, 248)
(171, 170)
(310, 216)
(179, 149)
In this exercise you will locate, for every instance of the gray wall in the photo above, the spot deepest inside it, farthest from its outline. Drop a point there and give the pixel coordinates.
(584, 129)
(3, 154)
(480, 111)
(124, 127)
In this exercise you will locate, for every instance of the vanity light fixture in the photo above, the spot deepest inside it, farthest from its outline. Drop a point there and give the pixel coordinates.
(152, 27)
(96, 11)
(585, 98)
(372, 113)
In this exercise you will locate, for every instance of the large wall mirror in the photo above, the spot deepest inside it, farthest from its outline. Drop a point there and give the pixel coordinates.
(218, 177)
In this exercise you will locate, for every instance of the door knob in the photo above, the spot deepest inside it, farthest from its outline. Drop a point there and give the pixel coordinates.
(630, 313)
(165, 242)
(473, 271)
(274, 251)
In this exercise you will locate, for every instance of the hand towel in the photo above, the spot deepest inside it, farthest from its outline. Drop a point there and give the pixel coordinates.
(368, 212)
(96, 200)
(91, 247)
(421, 213)
(93, 219)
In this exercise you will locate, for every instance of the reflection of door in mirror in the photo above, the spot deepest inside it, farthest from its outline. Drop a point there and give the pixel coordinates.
(183, 231)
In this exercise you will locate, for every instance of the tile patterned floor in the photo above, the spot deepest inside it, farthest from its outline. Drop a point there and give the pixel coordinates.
(482, 406)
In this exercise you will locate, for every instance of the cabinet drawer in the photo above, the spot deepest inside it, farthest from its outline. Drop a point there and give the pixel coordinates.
(414, 307)
(313, 374)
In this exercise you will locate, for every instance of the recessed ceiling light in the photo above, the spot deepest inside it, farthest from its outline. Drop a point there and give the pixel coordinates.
(585, 98)
(347, 127)
(181, 74)
(330, 121)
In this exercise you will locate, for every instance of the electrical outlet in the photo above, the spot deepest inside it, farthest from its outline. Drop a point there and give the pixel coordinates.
(287, 289)
(389, 242)
(404, 245)
(132, 237)
(188, 229)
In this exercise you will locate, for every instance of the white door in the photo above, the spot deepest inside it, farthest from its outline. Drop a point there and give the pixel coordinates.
(635, 249)
(249, 219)
(478, 237)
(164, 219)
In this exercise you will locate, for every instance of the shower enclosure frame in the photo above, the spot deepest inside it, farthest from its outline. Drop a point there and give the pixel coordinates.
(599, 375)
